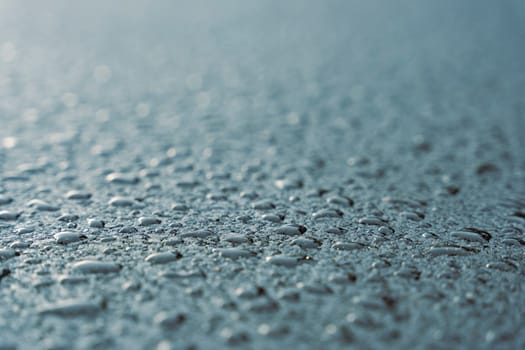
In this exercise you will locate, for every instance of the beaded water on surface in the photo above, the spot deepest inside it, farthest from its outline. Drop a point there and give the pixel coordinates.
(270, 175)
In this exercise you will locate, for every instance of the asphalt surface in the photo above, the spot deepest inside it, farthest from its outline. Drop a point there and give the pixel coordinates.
(262, 175)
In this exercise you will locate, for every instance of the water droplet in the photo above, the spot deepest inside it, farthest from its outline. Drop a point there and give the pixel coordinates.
(235, 238)
(264, 204)
(282, 260)
(307, 243)
(197, 234)
(180, 207)
(148, 221)
(9, 215)
(327, 213)
(163, 258)
(128, 229)
(234, 253)
(7, 253)
(414, 216)
(94, 266)
(122, 179)
(449, 250)
(68, 217)
(372, 220)
(290, 230)
(78, 195)
(273, 218)
(340, 200)
(42, 205)
(72, 308)
(25, 229)
(5, 200)
(67, 237)
(169, 321)
(96, 223)
(288, 184)
(349, 245)
(502, 266)
(9, 142)
(121, 202)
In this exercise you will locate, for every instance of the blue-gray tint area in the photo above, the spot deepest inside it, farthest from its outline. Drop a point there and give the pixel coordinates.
(262, 174)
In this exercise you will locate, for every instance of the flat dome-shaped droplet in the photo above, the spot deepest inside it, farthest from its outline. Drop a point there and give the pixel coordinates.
(340, 200)
(7, 253)
(282, 260)
(122, 179)
(335, 230)
(307, 242)
(20, 245)
(128, 229)
(121, 201)
(7, 215)
(162, 258)
(169, 320)
(180, 207)
(216, 196)
(372, 220)
(25, 229)
(197, 234)
(450, 251)
(78, 195)
(67, 237)
(468, 236)
(96, 223)
(94, 266)
(290, 230)
(234, 253)
(42, 205)
(348, 245)
(327, 213)
(68, 217)
(273, 218)
(264, 204)
(148, 221)
(5, 199)
(235, 238)
(410, 215)
(288, 184)
(71, 308)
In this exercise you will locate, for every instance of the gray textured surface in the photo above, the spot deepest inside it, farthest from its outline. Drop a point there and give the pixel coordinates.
(224, 121)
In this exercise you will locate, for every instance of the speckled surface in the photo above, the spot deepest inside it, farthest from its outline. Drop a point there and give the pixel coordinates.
(262, 175)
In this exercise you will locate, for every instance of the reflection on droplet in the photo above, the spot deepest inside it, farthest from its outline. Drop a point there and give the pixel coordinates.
(9, 142)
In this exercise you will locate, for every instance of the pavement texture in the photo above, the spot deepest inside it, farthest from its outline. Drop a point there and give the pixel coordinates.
(262, 175)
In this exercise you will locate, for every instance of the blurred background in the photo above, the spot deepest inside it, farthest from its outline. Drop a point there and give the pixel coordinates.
(305, 80)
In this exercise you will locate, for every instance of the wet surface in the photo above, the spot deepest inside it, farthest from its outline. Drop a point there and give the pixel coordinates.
(262, 175)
